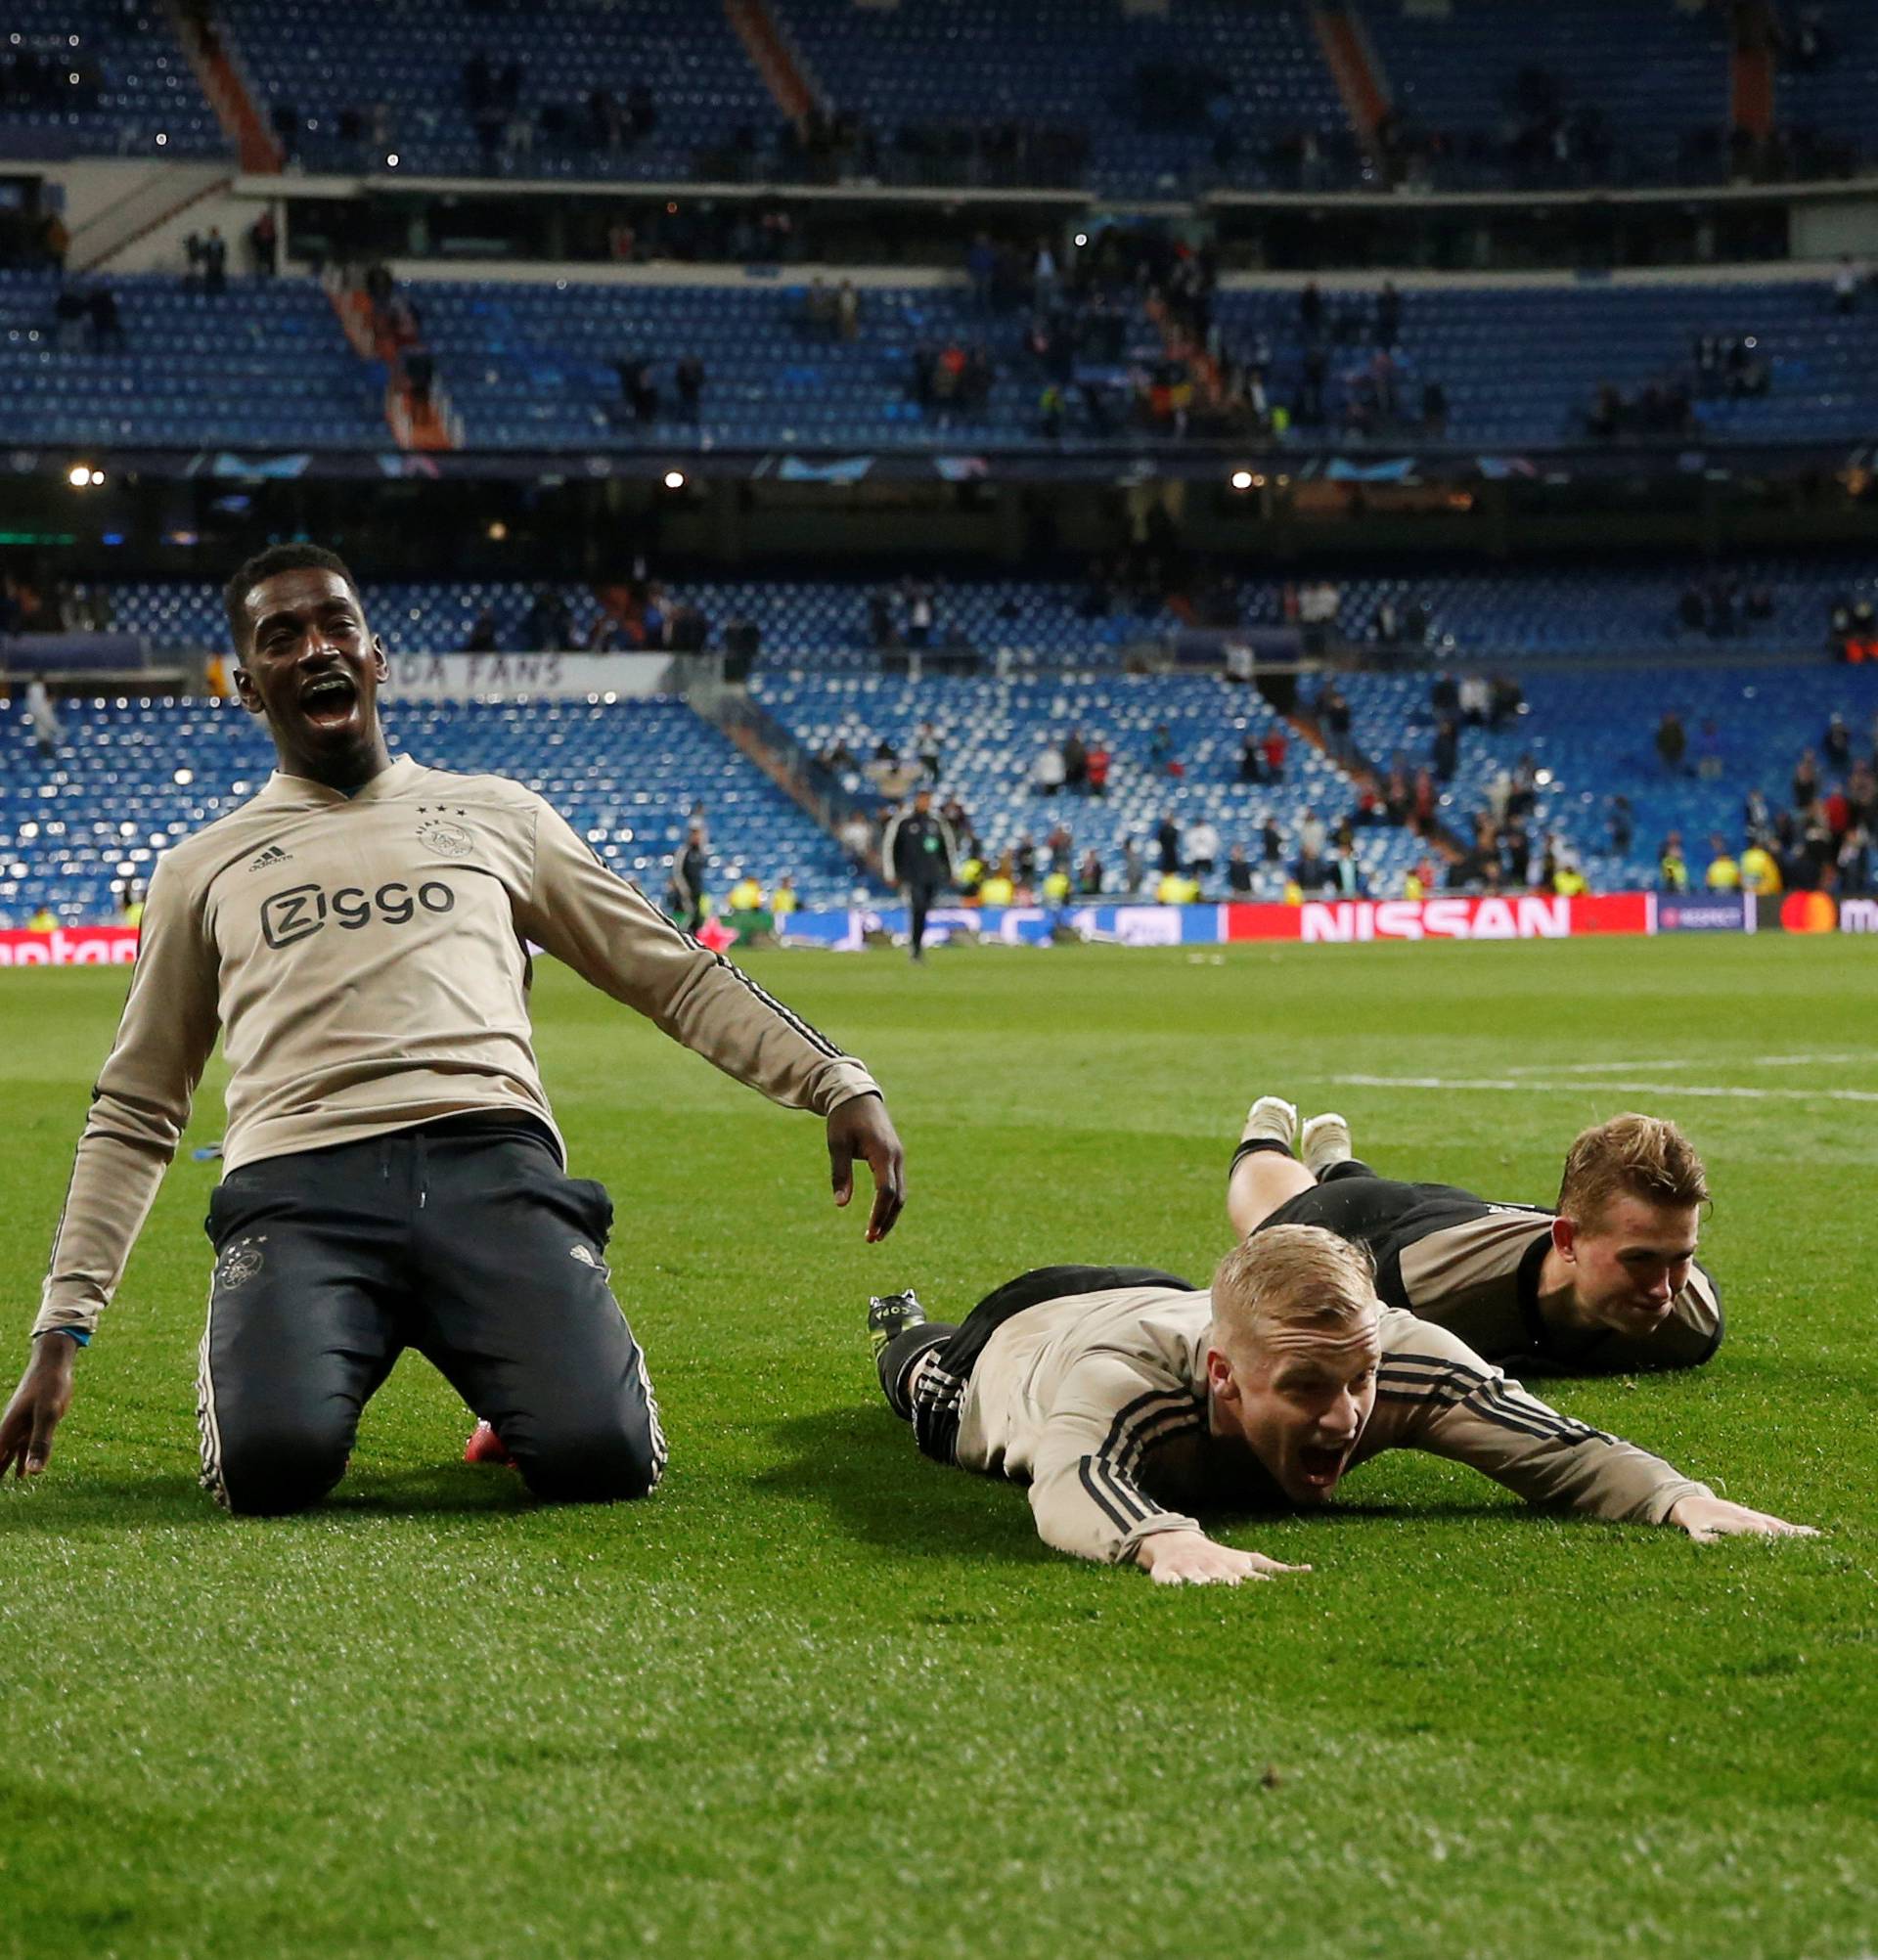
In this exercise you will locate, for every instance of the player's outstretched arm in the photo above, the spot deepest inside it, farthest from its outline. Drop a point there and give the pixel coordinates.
(1191, 1558)
(37, 1407)
(1707, 1518)
(862, 1128)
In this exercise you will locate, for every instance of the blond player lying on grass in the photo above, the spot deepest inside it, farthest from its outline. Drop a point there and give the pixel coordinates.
(1129, 1404)
(1606, 1280)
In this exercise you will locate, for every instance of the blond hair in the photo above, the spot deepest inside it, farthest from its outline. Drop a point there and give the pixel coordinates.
(1635, 1156)
(1290, 1275)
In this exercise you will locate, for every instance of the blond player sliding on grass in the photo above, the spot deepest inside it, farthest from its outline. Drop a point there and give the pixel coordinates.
(1131, 1403)
(1605, 1281)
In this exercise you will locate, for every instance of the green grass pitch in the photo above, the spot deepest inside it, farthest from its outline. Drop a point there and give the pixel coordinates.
(820, 1696)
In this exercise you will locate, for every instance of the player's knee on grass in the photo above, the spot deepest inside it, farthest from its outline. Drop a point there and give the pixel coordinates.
(268, 1473)
(586, 1463)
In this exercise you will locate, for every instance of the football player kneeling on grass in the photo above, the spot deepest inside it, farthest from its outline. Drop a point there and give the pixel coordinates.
(1129, 1404)
(358, 936)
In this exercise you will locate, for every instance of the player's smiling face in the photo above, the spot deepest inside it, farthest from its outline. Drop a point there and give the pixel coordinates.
(312, 667)
(1300, 1403)
(1631, 1262)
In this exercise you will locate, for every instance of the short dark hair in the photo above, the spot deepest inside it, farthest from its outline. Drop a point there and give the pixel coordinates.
(264, 565)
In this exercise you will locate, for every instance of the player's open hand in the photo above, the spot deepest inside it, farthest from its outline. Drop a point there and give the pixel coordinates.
(37, 1407)
(1707, 1518)
(862, 1128)
(1191, 1558)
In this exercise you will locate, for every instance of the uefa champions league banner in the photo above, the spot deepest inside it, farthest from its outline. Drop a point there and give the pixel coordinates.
(1013, 925)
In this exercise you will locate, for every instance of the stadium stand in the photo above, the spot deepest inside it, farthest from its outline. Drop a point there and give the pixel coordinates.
(586, 367)
(1175, 742)
(1549, 95)
(131, 775)
(1825, 89)
(566, 89)
(99, 78)
(1591, 737)
(263, 363)
(547, 366)
(1147, 104)
(1568, 611)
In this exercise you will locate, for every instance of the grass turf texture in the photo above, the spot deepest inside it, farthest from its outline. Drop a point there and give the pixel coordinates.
(820, 1695)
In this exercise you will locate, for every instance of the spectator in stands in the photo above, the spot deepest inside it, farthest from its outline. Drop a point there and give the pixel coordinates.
(1623, 827)
(1311, 837)
(47, 729)
(482, 634)
(1251, 758)
(264, 243)
(1273, 749)
(926, 746)
(637, 387)
(847, 311)
(1000, 888)
(548, 625)
(1672, 742)
(1835, 746)
(1434, 410)
(68, 311)
(1388, 316)
(1024, 860)
(1759, 872)
(1672, 869)
(882, 633)
(1167, 843)
(1203, 848)
(1853, 863)
(1133, 869)
(1075, 764)
(215, 263)
(1724, 870)
(921, 610)
(1089, 877)
(1845, 284)
(106, 324)
(1805, 779)
(1046, 772)
(689, 380)
(1444, 756)
(1334, 714)
(1098, 766)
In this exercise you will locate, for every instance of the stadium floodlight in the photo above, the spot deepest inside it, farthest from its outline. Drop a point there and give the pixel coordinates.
(162, 139)
(1241, 480)
(391, 160)
(674, 479)
(84, 477)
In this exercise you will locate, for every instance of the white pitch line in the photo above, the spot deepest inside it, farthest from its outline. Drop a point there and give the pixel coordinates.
(1526, 1085)
(1681, 1062)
